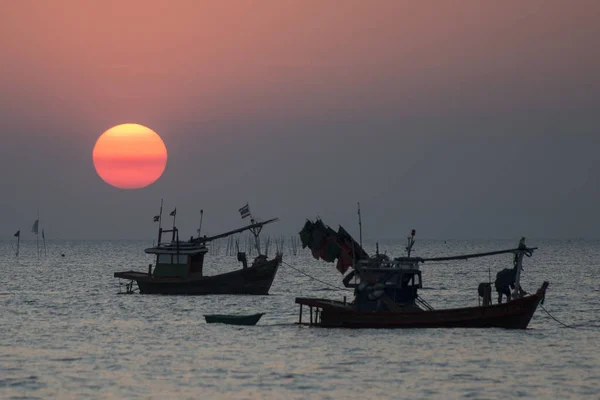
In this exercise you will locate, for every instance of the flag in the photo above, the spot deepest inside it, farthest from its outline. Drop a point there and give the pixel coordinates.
(43, 237)
(245, 211)
(156, 218)
(18, 234)
(34, 228)
(174, 212)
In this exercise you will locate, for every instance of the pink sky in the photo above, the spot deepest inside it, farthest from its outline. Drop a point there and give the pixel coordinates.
(292, 105)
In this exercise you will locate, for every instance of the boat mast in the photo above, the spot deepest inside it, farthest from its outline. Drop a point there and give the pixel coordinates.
(519, 266)
(256, 232)
(159, 225)
(174, 215)
(200, 227)
(233, 232)
(410, 241)
(159, 234)
(359, 225)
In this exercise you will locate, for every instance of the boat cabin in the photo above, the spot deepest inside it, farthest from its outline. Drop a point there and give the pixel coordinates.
(385, 285)
(177, 259)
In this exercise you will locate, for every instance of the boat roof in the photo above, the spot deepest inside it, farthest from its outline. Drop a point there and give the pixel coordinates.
(182, 248)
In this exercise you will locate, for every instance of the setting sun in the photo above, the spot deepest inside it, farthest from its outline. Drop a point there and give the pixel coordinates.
(130, 156)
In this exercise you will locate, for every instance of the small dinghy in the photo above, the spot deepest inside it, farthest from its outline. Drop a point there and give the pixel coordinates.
(233, 319)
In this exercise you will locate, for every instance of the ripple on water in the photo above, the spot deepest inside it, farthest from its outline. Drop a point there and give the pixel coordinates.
(65, 333)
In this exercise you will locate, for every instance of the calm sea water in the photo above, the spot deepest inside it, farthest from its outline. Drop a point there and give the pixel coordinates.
(65, 332)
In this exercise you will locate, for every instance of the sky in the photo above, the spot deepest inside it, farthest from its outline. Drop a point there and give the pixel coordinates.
(460, 119)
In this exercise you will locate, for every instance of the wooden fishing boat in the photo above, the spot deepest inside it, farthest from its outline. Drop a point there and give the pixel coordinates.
(179, 268)
(514, 314)
(386, 291)
(233, 319)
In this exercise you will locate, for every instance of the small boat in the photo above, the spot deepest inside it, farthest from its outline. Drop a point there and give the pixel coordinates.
(233, 319)
(386, 291)
(178, 268)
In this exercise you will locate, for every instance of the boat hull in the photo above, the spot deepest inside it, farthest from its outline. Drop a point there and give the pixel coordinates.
(254, 280)
(515, 314)
(233, 319)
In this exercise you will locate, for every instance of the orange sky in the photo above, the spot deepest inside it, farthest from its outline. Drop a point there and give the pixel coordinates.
(291, 57)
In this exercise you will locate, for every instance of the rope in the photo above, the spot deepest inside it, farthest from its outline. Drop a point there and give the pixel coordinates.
(551, 316)
(312, 277)
(422, 302)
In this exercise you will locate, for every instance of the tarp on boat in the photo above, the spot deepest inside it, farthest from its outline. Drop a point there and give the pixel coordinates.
(329, 245)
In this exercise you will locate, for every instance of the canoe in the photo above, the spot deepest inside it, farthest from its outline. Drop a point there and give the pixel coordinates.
(233, 319)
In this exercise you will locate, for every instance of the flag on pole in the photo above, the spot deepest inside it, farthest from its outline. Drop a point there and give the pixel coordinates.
(156, 218)
(174, 212)
(245, 211)
(34, 228)
(18, 234)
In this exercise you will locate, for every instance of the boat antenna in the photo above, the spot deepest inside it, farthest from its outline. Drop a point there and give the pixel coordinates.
(359, 226)
(410, 242)
(159, 224)
(200, 227)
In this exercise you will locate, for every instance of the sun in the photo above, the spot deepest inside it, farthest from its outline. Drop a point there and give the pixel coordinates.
(130, 156)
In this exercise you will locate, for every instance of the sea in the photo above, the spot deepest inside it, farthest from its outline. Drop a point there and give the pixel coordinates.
(68, 332)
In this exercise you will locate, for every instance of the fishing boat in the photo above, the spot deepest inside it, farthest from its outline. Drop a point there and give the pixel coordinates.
(178, 268)
(233, 319)
(386, 290)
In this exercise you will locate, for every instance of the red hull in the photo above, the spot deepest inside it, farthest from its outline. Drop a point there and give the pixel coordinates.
(515, 314)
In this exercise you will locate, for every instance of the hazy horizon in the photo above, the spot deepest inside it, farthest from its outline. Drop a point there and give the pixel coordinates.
(460, 120)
